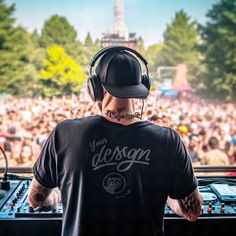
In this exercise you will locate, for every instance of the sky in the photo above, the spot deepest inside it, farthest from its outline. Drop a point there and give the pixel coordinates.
(147, 18)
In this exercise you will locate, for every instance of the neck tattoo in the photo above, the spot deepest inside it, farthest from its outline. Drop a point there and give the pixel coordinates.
(117, 115)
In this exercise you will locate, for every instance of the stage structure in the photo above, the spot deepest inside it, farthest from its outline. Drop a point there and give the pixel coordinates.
(176, 78)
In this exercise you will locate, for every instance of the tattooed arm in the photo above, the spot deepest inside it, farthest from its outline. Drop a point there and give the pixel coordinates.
(189, 207)
(44, 198)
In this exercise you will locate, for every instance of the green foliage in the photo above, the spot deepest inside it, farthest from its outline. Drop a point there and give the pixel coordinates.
(219, 40)
(15, 69)
(61, 75)
(153, 56)
(22, 56)
(140, 45)
(181, 39)
(90, 48)
(57, 31)
(88, 42)
(6, 21)
(75, 50)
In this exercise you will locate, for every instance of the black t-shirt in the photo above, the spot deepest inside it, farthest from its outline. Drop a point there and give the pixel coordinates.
(114, 179)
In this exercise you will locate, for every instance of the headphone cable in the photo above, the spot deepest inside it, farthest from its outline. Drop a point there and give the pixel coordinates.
(142, 109)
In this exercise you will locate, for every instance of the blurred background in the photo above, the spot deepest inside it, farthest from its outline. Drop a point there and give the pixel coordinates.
(190, 46)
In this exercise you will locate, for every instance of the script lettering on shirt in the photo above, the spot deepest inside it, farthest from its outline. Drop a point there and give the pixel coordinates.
(122, 157)
(96, 143)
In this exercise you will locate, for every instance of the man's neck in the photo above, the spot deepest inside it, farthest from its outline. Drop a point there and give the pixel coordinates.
(120, 111)
(124, 118)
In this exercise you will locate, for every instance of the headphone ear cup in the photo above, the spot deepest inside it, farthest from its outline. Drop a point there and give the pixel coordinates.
(95, 88)
(146, 81)
(90, 88)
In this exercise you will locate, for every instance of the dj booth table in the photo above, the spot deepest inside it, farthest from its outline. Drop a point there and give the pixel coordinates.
(218, 212)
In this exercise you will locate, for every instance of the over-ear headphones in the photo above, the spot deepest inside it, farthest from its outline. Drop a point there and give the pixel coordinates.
(94, 83)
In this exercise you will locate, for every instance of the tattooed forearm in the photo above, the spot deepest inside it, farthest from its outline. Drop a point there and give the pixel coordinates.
(44, 198)
(188, 207)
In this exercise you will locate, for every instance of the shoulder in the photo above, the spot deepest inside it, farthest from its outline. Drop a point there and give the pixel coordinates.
(71, 123)
(164, 129)
(222, 153)
(171, 134)
(216, 152)
(167, 134)
(74, 126)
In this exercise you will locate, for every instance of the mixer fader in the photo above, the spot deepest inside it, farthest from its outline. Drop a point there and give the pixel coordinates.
(15, 205)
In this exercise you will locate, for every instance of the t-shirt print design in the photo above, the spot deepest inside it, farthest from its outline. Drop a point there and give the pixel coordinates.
(123, 157)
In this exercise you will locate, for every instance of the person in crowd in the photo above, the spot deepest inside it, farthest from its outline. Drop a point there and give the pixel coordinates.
(233, 173)
(215, 156)
(193, 149)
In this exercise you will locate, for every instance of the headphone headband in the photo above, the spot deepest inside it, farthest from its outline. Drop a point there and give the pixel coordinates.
(114, 49)
(95, 84)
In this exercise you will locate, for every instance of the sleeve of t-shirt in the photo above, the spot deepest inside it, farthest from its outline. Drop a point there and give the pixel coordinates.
(44, 169)
(183, 181)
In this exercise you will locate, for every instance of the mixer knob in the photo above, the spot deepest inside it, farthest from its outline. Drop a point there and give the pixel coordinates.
(209, 209)
(14, 200)
(11, 205)
(222, 209)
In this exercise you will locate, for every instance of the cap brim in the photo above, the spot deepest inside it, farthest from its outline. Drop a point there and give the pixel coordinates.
(132, 91)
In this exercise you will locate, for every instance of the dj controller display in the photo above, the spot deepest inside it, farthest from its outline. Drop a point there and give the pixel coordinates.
(218, 213)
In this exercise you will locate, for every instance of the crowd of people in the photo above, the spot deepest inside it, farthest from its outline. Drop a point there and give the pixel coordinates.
(208, 129)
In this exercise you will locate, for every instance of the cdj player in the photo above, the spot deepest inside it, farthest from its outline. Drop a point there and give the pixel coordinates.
(218, 212)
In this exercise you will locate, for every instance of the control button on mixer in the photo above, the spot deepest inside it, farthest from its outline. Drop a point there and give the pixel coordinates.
(209, 209)
(222, 209)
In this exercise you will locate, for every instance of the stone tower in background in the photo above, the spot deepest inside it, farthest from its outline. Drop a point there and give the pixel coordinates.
(119, 35)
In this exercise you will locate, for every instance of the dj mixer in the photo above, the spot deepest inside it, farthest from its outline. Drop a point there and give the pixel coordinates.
(218, 212)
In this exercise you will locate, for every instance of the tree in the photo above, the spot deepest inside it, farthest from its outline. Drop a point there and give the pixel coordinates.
(14, 54)
(219, 46)
(153, 56)
(181, 39)
(90, 48)
(61, 75)
(140, 45)
(88, 42)
(57, 31)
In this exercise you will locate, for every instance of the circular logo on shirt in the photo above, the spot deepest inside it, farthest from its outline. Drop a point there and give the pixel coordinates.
(114, 183)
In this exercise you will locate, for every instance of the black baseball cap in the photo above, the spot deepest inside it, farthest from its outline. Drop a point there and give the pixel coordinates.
(121, 75)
